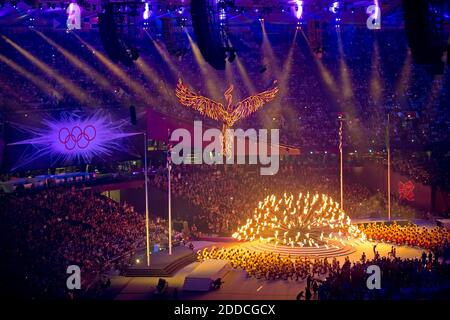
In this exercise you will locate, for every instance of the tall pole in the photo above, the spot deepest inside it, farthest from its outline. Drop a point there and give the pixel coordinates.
(341, 165)
(170, 209)
(388, 147)
(169, 168)
(147, 234)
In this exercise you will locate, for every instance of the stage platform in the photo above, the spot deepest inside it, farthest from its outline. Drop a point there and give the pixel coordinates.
(337, 250)
(217, 239)
(385, 221)
(419, 222)
(161, 263)
(237, 285)
(201, 278)
(443, 223)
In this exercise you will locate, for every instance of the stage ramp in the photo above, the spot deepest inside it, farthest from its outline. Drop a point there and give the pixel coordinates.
(201, 278)
(161, 263)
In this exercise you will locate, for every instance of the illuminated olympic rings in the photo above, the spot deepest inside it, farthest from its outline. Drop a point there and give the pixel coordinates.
(77, 137)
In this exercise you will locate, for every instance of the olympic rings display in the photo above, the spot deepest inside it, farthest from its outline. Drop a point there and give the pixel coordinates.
(77, 137)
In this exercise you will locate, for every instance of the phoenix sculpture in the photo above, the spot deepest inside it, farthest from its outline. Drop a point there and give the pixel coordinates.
(228, 115)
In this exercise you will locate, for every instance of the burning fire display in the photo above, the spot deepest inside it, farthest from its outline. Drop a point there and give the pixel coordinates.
(303, 221)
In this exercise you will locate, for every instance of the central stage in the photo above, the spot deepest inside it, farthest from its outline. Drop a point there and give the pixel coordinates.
(161, 263)
(336, 250)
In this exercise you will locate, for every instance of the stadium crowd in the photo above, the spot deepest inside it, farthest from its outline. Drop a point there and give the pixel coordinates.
(425, 278)
(379, 84)
(44, 232)
(226, 198)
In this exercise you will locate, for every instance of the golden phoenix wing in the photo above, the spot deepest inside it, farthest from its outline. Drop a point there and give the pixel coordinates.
(205, 106)
(251, 104)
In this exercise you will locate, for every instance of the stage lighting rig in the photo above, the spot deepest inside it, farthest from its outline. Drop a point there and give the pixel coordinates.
(117, 25)
(181, 22)
(147, 12)
(173, 39)
(424, 27)
(298, 9)
(32, 3)
(334, 8)
(209, 21)
(225, 3)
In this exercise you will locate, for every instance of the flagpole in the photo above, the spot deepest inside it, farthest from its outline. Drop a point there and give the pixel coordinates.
(169, 167)
(341, 165)
(147, 234)
(388, 147)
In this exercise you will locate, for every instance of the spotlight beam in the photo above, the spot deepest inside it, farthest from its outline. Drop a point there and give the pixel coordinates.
(89, 71)
(152, 76)
(376, 85)
(137, 88)
(326, 75)
(267, 51)
(287, 67)
(209, 77)
(345, 76)
(41, 84)
(71, 88)
(164, 54)
(349, 108)
(404, 80)
(243, 73)
(284, 77)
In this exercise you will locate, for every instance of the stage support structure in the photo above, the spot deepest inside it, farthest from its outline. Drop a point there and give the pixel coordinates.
(388, 149)
(169, 196)
(147, 234)
(341, 122)
(169, 167)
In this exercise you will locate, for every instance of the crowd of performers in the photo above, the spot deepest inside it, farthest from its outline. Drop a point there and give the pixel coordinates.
(425, 276)
(269, 265)
(434, 239)
(273, 266)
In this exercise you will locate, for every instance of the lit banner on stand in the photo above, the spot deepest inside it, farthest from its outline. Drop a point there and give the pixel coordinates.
(70, 139)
